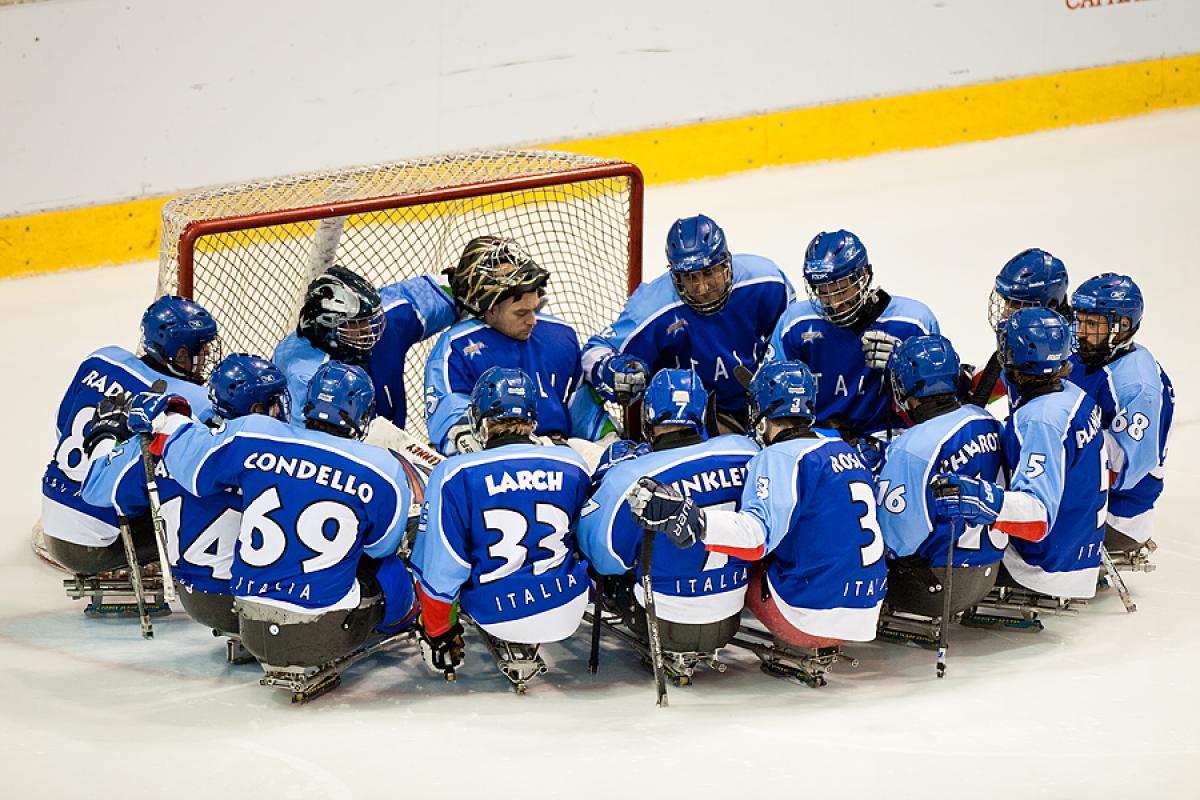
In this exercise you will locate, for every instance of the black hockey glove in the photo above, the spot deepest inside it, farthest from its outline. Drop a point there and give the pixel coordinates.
(111, 421)
(658, 507)
(443, 652)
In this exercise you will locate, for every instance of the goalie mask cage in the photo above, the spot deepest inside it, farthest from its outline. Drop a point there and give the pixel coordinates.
(247, 252)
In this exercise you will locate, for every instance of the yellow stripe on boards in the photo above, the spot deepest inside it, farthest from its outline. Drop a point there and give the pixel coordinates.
(902, 122)
(80, 237)
(125, 232)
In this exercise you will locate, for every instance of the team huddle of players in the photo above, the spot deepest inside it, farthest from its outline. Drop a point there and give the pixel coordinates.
(806, 459)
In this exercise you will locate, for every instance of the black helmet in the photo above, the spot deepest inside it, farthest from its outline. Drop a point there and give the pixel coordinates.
(342, 315)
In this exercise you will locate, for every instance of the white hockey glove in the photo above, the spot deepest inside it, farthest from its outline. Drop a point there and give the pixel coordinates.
(462, 438)
(620, 378)
(658, 507)
(877, 347)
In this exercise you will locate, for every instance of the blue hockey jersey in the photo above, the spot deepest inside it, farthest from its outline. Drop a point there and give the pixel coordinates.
(497, 532)
(662, 330)
(1055, 504)
(312, 505)
(966, 442)
(846, 387)
(550, 356)
(415, 310)
(1137, 406)
(809, 507)
(692, 585)
(201, 531)
(107, 372)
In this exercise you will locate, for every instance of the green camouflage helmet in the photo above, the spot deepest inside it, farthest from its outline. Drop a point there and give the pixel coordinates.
(492, 269)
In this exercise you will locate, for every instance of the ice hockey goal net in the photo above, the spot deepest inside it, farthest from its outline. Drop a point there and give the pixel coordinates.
(247, 251)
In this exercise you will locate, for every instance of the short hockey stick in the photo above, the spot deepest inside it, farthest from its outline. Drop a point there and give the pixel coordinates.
(656, 654)
(135, 577)
(160, 527)
(947, 589)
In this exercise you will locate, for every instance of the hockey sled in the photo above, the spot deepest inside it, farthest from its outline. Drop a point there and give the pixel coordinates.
(805, 665)
(519, 663)
(112, 595)
(307, 654)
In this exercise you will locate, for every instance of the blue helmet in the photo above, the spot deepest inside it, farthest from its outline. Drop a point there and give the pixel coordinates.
(1035, 341)
(343, 396)
(782, 389)
(1116, 298)
(242, 381)
(615, 453)
(1031, 278)
(172, 324)
(837, 275)
(502, 393)
(695, 244)
(923, 366)
(674, 397)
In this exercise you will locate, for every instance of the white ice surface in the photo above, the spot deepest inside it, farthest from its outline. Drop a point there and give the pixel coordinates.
(1099, 703)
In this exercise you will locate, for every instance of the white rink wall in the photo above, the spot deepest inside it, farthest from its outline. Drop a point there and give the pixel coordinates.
(112, 100)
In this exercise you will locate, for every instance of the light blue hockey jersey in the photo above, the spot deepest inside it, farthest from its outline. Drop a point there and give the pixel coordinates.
(846, 388)
(497, 531)
(659, 328)
(550, 357)
(108, 371)
(1053, 450)
(1137, 406)
(691, 585)
(312, 504)
(816, 501)
(415, 310)
(201, 531)
(966, 442)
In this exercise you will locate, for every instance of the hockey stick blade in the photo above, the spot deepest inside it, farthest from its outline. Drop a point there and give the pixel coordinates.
(743, 375)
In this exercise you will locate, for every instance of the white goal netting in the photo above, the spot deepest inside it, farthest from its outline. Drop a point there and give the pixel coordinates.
(247, 251)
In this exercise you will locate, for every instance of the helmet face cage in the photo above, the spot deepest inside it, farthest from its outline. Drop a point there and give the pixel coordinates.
(341, 395)
(720, 271)
(999, 307)
(829, 308)
(493, 269)
(361, 334)
(674, 397)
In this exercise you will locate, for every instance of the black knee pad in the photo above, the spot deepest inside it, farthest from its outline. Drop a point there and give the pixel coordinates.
(284, 638)
(210, 610)
(909, 589)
